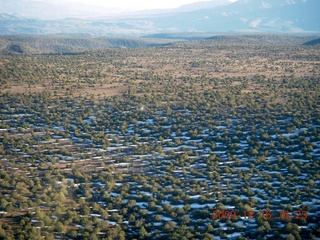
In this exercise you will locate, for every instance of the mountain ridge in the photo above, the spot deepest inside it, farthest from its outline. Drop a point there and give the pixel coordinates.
(243, 16)
(64, 44)
(78, 44)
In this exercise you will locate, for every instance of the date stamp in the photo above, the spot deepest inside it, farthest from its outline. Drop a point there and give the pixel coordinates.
(267, 214)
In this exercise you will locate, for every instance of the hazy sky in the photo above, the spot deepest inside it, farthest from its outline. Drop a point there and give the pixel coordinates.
(136, 4)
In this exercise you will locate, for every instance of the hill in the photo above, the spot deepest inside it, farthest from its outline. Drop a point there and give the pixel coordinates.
(312, 42)
(76, 44)
(69, 44)
(261, 39)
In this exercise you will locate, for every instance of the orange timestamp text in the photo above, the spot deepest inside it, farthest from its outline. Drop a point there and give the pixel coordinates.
(267, 214)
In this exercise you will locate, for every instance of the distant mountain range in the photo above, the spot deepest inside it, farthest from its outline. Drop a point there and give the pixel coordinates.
(264, 16)
(49, 10)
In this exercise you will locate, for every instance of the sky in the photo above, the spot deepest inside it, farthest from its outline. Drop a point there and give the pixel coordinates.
(136, 4)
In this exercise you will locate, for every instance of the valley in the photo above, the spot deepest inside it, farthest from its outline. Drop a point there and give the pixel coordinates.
(148, 142)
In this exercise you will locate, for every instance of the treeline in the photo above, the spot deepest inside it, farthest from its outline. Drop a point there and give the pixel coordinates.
(44, 44)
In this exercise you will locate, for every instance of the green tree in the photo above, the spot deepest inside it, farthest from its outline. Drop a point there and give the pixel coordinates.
(143, 233)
